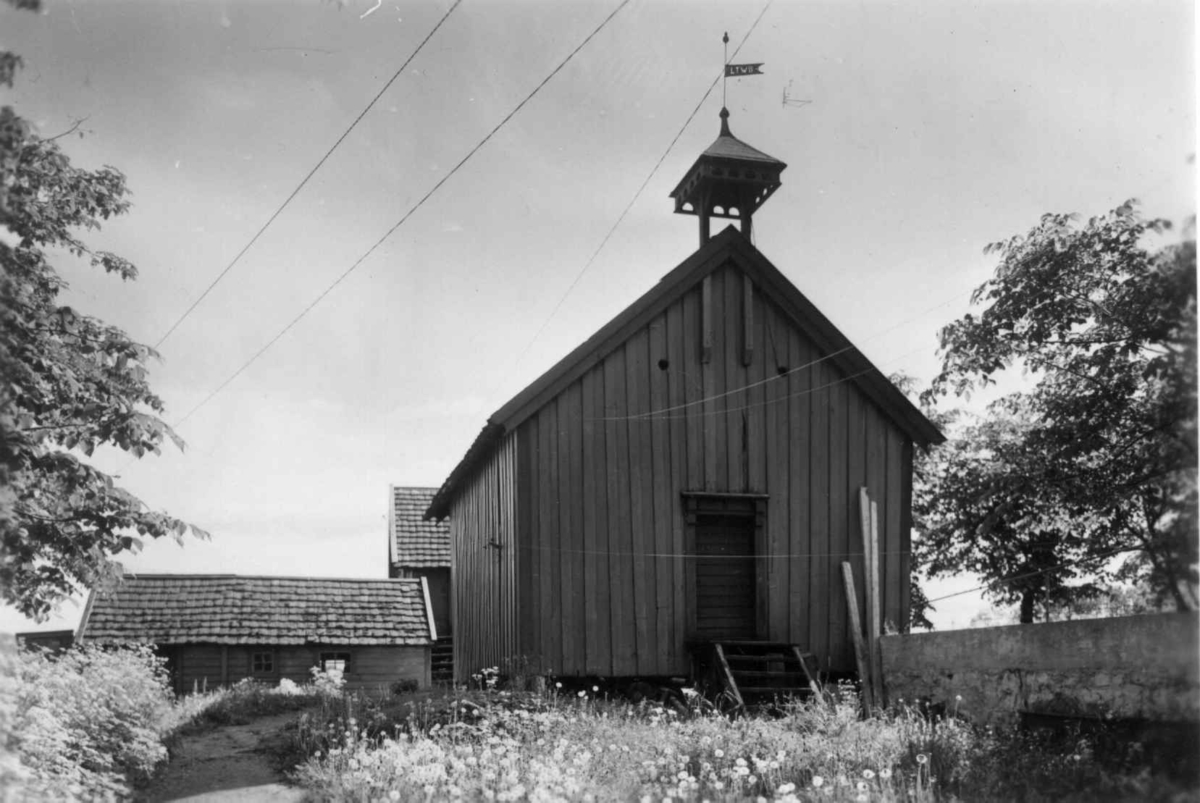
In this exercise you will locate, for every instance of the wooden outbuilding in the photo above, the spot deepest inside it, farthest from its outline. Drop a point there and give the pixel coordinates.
(216, 630)
(420, 547)
(689, 475)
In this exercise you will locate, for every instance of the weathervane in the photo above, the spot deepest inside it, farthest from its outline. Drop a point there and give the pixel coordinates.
(735, 70)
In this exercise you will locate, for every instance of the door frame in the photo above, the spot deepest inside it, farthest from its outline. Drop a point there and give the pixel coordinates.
(706, 503)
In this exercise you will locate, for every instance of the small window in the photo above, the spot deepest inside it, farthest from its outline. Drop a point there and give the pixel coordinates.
(335, 661)
(262, 663)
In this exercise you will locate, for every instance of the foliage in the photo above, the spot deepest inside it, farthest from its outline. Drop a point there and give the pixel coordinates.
(72, 383)
(89, 722)
(507, 746)
(1098, 459)
(240, 703)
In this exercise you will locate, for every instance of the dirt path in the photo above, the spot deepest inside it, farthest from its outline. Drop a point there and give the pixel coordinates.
(225, 764)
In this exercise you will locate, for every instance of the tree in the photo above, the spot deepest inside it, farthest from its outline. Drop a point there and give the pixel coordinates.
(1092, 472)
(72, 383)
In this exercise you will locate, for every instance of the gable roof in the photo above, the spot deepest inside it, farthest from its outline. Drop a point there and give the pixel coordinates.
(414, 541)
(234, 609)
(727, 248)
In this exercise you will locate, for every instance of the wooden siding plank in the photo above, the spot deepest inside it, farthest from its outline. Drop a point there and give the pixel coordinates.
(876, 430)
(890, 538)
(575, 545)
(906, 478)
(844, 540)
(660, 439)
(521, 543)
(692, 375)
(551, 597)
(534, 539)
(715, 424)
(641, 499)
(624, 639)
(801, 535)
(596, 635)
(677, 380)
(568, 632)
(822, 568)
(772, 441)
(735, 422)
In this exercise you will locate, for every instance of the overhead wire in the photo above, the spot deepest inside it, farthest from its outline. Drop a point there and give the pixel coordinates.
(287, 201)
(412, 210)
(625, 212)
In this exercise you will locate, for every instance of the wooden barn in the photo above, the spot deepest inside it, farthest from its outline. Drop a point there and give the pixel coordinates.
(689, 475)
(216, 630)
(420, 547)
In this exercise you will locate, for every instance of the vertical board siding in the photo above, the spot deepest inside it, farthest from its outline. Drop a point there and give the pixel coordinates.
(610, 457)
(484, 558)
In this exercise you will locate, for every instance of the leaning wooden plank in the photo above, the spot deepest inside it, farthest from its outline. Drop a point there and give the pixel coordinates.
(876, 622)
(733, 687)
(860, 650)
(812, 681)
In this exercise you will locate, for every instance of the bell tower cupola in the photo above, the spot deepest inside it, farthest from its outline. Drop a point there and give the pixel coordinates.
(729, 180)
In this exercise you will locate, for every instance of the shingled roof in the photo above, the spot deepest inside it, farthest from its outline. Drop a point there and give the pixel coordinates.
(414, 542)
(233, 609)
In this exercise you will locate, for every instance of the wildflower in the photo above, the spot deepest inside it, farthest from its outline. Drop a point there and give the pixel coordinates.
(818, 781)
(958, 698)
(595, 689)
(1076, 757)
(862, 798)
(428, 789)
(394, 794)
(741, 762)
(862, 786)
(922, 758)
(558, 685)
(885, 774)
(868, 774)
(786, 789)
(719, 753)
(582, 693)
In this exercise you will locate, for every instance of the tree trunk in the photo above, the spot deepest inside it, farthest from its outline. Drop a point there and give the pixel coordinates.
(1028, 600)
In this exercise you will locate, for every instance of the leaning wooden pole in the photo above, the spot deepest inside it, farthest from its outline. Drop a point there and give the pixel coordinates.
(860, 649)
(875, 618)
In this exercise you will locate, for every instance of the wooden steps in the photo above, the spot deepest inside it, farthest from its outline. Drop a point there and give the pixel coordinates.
(760, 671)
(441, 661)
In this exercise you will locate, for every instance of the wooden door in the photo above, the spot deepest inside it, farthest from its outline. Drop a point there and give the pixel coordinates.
(726, 598)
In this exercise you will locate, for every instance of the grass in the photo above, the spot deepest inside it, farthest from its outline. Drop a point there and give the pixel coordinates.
(517, 746)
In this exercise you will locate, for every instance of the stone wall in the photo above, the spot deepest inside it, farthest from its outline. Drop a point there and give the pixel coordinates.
(1130, 667)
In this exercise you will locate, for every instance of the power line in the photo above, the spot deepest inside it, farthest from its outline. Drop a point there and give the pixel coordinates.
(404, 218)
(305, 180)
(587, 265)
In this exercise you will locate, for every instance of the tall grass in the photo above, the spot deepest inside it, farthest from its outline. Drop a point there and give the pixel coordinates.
(509, 746)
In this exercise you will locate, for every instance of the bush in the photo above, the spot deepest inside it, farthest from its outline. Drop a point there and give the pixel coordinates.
(88, 722)
(405, 686)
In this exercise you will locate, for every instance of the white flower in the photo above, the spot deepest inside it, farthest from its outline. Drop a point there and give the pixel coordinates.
(558, 685)
(595, 688)
(741, 762)
(719, 753)
(922, 758)
(885, 774)
(786, 789)
(862, 786)
(818, 781)
(868, 774)
(394, 794)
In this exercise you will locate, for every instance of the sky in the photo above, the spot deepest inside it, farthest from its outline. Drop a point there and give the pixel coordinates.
(934, 128)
